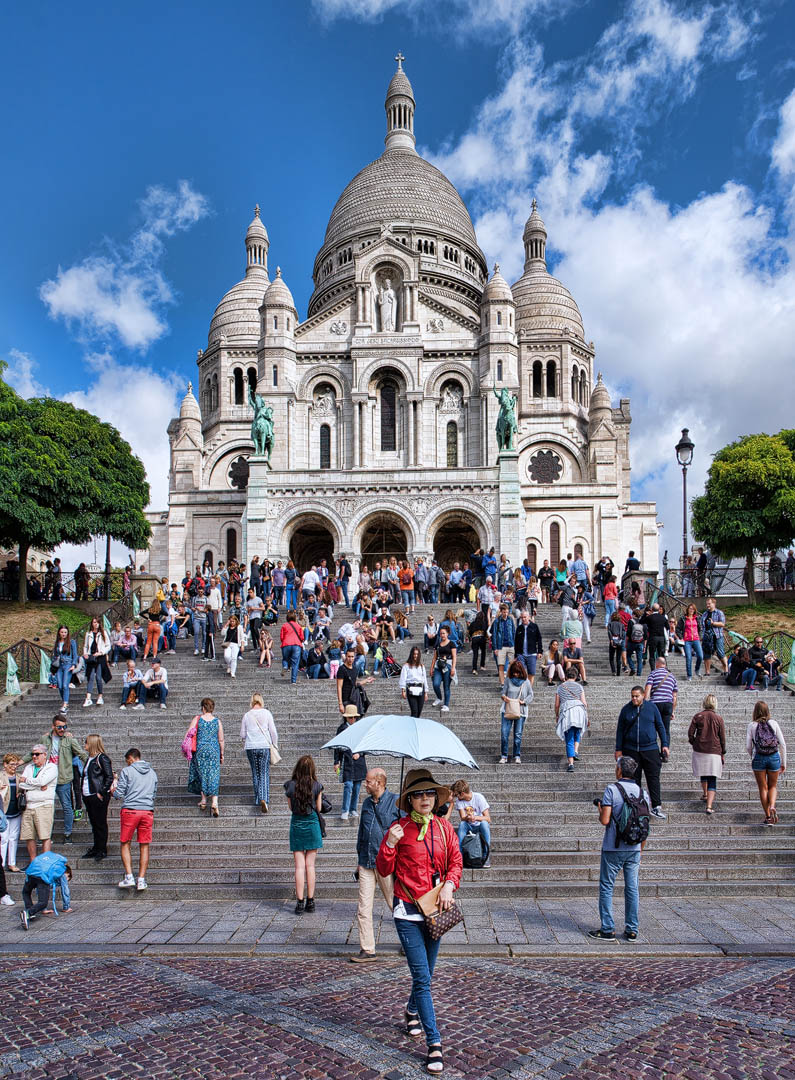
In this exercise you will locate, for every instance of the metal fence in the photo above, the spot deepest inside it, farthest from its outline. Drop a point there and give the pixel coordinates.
(65, 588)
(724, 580)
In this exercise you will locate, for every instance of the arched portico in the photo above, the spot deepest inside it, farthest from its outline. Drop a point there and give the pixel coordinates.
(312, 537)
(455, 534)
(382, 535)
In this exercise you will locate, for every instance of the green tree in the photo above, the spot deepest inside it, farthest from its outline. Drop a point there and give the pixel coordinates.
(748, 503)
(65, 476)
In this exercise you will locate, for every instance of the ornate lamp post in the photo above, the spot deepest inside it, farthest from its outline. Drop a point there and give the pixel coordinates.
(684, 455)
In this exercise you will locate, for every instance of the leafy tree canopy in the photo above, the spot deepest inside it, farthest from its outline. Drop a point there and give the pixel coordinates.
(748, 503)
(65, 476)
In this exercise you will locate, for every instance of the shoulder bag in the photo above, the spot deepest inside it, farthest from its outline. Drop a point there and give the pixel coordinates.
(276, 757)
(437, 922)
(512, 709)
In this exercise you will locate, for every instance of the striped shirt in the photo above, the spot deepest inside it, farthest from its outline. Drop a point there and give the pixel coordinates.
(663, 685)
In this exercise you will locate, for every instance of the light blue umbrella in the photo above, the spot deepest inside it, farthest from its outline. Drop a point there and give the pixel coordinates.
(403, 737)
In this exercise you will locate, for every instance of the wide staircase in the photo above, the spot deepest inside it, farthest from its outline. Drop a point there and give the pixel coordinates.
(546, 836)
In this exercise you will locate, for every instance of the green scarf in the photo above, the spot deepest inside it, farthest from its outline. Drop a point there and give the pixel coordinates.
(423, 820)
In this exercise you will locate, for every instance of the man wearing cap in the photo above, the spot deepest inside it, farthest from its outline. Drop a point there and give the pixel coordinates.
(379, 812)
(350, 768)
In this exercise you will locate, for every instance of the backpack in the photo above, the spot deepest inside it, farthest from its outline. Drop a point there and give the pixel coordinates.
(193, 588)
(616, 632)
(474, 851)
(48, 866)
(637, 633)
(765, 740)
(632, 823)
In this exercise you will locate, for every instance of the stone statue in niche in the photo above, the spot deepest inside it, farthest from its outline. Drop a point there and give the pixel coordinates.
(387, 305)
(324, 403)
(452, 398)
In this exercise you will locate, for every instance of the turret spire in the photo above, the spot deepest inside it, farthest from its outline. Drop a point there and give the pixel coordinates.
(399, 107)
(257, 245)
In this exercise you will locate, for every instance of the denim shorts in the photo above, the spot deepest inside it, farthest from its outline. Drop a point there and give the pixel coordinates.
(766, 762)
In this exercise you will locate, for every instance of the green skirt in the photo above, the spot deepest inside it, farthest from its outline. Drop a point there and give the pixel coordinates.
(305, 832)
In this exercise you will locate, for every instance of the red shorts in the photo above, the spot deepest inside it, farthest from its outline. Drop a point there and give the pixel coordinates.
(139, 821)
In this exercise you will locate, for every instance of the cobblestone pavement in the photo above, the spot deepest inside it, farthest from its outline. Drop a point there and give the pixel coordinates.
(506, 926)
(220, 1018)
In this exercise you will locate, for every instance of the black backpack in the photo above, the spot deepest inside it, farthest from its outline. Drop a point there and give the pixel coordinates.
(616, 632)
(474, 851)
(632, 823)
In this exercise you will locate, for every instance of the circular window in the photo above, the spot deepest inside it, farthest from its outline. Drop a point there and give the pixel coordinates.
(238, 473)
(545, 467)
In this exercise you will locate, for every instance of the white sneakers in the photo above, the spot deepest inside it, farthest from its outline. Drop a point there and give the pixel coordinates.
(138, 706)
(445, 708)
(345, 816)
(88, 702)
(162, 705)
(141, 885)
(436, 701)
(6, 901)
(100, 700)
(122, 708)
(127, 882)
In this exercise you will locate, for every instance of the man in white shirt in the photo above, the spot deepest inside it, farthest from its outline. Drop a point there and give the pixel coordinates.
(309, 583)
(214, 605)
(38, 781)
(156, 679)
(254, 610)
(473, 810)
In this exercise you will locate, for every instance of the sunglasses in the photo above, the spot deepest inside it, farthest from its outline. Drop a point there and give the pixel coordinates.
(37, 753)
(430, 794)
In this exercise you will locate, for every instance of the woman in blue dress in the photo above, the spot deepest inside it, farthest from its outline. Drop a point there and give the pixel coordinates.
(204, 774)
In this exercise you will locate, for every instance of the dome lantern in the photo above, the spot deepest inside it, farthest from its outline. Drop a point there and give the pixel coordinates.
(399, 106)
(535, 239)
(257, 244)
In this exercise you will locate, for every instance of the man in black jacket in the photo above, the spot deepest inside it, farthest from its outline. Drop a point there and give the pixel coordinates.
(350, 768)
(639, 725)
(527, 644)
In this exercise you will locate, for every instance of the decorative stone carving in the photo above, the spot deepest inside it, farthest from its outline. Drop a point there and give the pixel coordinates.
(324, 404)
(387, 302)
(238, 473)
(452, 399)
(339, 326)
(419, 507)
(275, 507)
(434, 326)
(545, 467)
(347, 507)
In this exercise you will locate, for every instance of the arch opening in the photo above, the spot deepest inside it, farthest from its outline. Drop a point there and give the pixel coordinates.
(312, 540)
(554, 543)
(454, 541)
(231, 546)
(383, 536)
(238, 373)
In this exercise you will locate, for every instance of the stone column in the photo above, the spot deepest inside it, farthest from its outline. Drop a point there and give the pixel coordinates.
(356, 444)
(510, 507)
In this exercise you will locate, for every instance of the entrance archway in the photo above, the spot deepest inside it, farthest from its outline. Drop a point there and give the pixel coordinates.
(312, 540)
(384, 536)
(454, 541)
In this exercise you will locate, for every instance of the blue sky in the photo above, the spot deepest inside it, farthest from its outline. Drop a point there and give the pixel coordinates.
(658, 137)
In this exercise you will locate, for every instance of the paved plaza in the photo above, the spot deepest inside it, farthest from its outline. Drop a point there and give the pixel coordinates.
(85, 1017)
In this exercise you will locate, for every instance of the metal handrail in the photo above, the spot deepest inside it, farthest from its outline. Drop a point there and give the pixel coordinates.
(66, 589)
(723, 580)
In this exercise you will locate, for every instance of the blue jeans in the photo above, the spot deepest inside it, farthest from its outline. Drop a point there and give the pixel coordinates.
(160, 691)
(63, 792)
(635, 657)
(199, 631)
(314, 670)
(350, 795)
(421, 952)
(62, 678)
(690, 648)
(573, 735)
(126, 652)
(359, 665)
(610, 610)
(442, 679)
(93, 676)
(434, 591)
(170, 633)
(506, 723)
(139, 689)
(407, 596)
(627, 859)
(529, 660)
(291, 658)
(481, 827)
(344, 587)
(289, 598)
(260, 762)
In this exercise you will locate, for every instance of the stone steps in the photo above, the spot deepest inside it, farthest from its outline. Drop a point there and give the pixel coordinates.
(546, 837)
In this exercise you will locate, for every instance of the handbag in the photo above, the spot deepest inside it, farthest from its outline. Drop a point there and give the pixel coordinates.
(276, 757)
(22, 799)
(512, 709)
(437, 922)
(188, 746)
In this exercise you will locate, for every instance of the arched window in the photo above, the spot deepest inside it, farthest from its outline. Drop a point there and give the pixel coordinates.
(238, 373)
(578, 551)
(252, 378)
(231, 545)
(575, 386)
(538, 379)
(208, 396)
(215, 391)
(499, 318)
(554, 543)
(388, 415)
(325, 446)
(532, 557)
(499, 371)
(208, 558)
(275, 375)
(452, 444)
(552, 379)
(583, 388)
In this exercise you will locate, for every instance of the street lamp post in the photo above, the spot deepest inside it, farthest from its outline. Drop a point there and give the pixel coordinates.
(684, 455)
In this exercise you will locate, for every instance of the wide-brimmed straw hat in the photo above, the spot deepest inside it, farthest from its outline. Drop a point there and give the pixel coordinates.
(351, 710)
(421, 780)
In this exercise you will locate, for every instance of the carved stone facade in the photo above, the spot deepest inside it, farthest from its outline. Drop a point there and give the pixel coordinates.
(382, 400)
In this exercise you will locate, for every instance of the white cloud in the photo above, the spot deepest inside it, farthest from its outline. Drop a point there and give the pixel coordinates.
(783, 152)
(21, 375)
(121, 295)
(464, 16)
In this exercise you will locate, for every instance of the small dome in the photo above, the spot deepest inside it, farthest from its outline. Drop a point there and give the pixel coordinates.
(534, 225)
(497, 288)
(237, 316)
(600, 397)
(278, 295)
(189, 409)
(399, 86)
(256, 230)
(544, 303)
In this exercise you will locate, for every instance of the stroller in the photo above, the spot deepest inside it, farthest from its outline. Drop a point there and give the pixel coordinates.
(390, 668)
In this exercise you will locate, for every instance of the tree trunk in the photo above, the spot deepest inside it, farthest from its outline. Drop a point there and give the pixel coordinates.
(750, 584)
(22, 592)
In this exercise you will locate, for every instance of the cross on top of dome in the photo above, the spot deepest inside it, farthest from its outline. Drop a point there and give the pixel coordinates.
(400, 58)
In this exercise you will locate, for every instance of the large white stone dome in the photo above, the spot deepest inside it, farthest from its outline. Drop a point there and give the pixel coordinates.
(542, 302)
(237, 315)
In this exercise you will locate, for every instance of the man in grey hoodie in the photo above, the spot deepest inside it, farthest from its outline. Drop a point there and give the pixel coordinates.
(136, 786)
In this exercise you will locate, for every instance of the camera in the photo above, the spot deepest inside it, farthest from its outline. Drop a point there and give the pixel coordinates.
(597, 802)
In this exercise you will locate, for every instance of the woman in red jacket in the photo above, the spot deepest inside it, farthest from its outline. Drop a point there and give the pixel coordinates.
(422, 851)
(291, 639)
